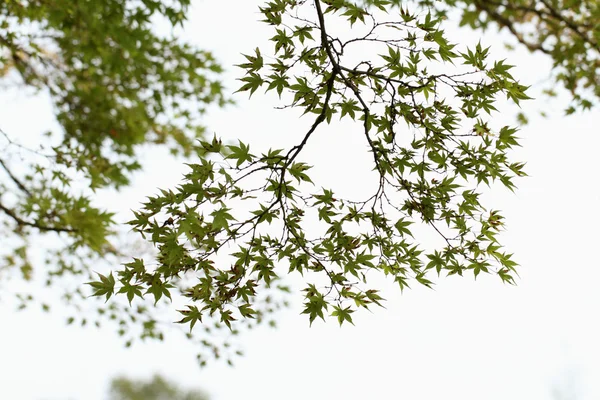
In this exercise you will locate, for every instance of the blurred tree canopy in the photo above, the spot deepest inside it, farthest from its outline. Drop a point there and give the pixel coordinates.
(568, 31)
(424, 102)
(116, 87)
(157, 388)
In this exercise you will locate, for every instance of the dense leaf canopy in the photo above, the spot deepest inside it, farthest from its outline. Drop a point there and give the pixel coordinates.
(245, 217)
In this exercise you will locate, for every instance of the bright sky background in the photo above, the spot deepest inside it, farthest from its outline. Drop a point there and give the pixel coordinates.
(465, 340)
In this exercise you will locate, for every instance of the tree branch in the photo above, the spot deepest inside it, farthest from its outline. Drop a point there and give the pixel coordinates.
(16, 180)
(570, 24)
(506, 23)
(41, 227)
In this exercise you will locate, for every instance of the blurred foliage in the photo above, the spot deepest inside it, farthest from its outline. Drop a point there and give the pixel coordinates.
(116, 87)
(567, 31)
(158, 388)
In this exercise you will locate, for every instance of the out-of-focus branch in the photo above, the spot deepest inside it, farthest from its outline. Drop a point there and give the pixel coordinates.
(16, 180)
(42, 227)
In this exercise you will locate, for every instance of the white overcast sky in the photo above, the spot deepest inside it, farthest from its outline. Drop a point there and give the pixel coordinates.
(465, 340)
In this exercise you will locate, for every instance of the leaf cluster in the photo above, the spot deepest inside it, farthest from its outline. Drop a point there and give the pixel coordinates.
(238, 223)
(116, 86)
(567, 31)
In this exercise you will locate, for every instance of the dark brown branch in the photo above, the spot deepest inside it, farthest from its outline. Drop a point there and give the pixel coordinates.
(338, 69)
(294, 151)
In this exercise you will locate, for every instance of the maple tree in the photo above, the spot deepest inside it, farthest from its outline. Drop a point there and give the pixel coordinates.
(239, 221)
(246, 216)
